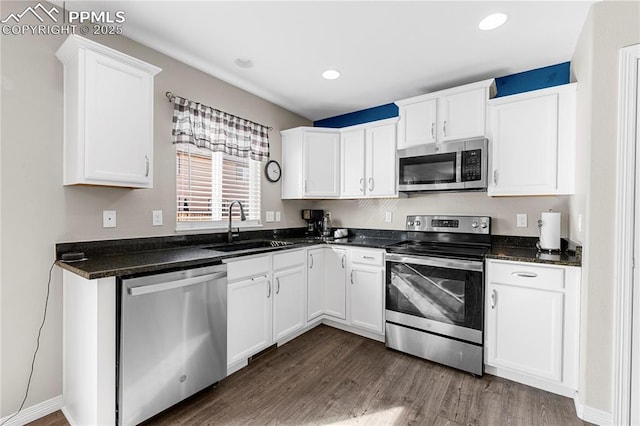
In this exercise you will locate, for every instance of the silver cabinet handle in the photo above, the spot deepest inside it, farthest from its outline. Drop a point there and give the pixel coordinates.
(277, 285)
(433, 130)
(524, 274)
(343, 261)
(351, 277)
(444, 128)
(305, 185)
(268, 289)
(493, 299)
(495, 177)
(361, 184)
(146, 159)
(368, 257)
(311, 256)
(170, 285)
(370, 184)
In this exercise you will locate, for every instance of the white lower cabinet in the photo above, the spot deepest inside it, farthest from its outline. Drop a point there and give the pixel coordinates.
(288, 293)
(315, 278)
(334, 302)
(367, 289)
(531, 328)
(265, 302)
(248, 318)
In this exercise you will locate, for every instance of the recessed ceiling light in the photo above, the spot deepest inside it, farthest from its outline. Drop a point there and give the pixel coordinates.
(492, 21)
(244, 62)
(331, 74)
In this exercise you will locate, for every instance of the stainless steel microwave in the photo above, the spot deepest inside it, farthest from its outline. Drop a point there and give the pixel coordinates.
(448, 166)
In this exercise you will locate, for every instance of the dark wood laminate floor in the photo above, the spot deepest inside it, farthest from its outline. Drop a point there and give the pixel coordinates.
(328, 376)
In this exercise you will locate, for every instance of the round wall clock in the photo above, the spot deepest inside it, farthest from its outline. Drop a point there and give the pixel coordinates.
(272, 171)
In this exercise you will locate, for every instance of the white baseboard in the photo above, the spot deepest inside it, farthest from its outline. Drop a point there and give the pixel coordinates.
(592, 415)
(35, 412)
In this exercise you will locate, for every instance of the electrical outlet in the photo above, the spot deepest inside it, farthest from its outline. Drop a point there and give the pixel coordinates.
(388, 217)
(157, 217)
(109, 219)
(269, 215)
(277, 216)
(521, 220)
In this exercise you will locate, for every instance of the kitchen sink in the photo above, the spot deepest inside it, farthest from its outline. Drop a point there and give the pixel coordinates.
(249, 245)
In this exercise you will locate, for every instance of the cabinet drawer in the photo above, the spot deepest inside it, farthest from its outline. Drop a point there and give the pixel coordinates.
(248, 267)
(288, 259)
(526, 275)
(367, 257)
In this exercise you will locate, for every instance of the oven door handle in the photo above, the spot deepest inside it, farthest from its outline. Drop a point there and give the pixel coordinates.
(465, 265)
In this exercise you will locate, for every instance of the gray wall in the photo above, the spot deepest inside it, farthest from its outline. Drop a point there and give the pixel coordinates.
(503, 210)
(37, 211)
(610, 26)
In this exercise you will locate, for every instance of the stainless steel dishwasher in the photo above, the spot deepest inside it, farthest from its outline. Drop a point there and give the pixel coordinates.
(172, 339)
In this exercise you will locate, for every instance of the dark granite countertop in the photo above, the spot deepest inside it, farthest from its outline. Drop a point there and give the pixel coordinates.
(136, 256)
(162, 254)
(523, 249)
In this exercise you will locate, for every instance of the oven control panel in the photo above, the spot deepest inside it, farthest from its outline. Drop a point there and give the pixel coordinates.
(458, 224)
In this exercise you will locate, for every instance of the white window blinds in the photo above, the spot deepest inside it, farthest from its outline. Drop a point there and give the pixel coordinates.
(207, 182)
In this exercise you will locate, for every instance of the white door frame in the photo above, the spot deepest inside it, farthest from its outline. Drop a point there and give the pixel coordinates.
(626, 239)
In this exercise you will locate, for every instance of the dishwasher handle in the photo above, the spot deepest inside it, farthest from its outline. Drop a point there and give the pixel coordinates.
(170, 285)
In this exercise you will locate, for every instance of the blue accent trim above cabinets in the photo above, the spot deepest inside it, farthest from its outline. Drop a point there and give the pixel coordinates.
(540, 78)
(553, 75)
(358, 117)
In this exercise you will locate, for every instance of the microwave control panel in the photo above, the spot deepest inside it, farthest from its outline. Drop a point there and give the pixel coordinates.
(471, 165)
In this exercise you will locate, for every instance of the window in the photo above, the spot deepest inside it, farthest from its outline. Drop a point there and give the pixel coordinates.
(207, 182)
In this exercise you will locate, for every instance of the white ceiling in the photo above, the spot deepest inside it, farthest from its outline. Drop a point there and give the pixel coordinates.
(385, 50)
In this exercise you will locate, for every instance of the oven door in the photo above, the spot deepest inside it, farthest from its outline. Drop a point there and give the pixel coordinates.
(436, 295)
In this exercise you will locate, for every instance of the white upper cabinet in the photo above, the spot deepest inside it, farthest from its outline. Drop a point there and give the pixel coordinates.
(532, 136)
(352, 163)
(452, 114)
(108, 116)
(310, 163)
(368, 160)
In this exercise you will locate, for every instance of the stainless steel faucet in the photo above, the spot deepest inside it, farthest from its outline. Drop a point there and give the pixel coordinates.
(242, 217)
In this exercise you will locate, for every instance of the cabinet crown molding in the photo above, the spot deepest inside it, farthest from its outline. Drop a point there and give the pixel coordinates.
(489, 84)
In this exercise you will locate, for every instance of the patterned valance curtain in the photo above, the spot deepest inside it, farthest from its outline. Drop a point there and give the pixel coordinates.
(218, 131)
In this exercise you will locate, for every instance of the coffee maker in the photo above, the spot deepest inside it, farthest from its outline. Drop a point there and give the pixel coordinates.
(314, 221)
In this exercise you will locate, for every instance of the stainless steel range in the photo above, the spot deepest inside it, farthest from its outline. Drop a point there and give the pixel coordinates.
(435, 290)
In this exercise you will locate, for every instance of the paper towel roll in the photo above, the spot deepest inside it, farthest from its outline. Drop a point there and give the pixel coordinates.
(550, 231)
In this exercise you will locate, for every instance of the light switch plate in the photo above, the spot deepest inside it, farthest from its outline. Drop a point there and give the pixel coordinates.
(157, 217)
(278, 216)
(388, 217)
(521, 220)
(109, 219)
(269, 215)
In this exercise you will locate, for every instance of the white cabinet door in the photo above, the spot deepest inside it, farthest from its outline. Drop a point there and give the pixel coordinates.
(292, 173)
(417, 123)
(108, 114)
(526, 326)
(335, 273)
(288, 302)
(321, 164)
(367, 305)
(533, 142)
(352, 160)
(315, 277)
(248, 317)
(462, 115)
(381, 160)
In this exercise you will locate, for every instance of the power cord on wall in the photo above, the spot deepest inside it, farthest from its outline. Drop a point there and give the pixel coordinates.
(33, 361)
